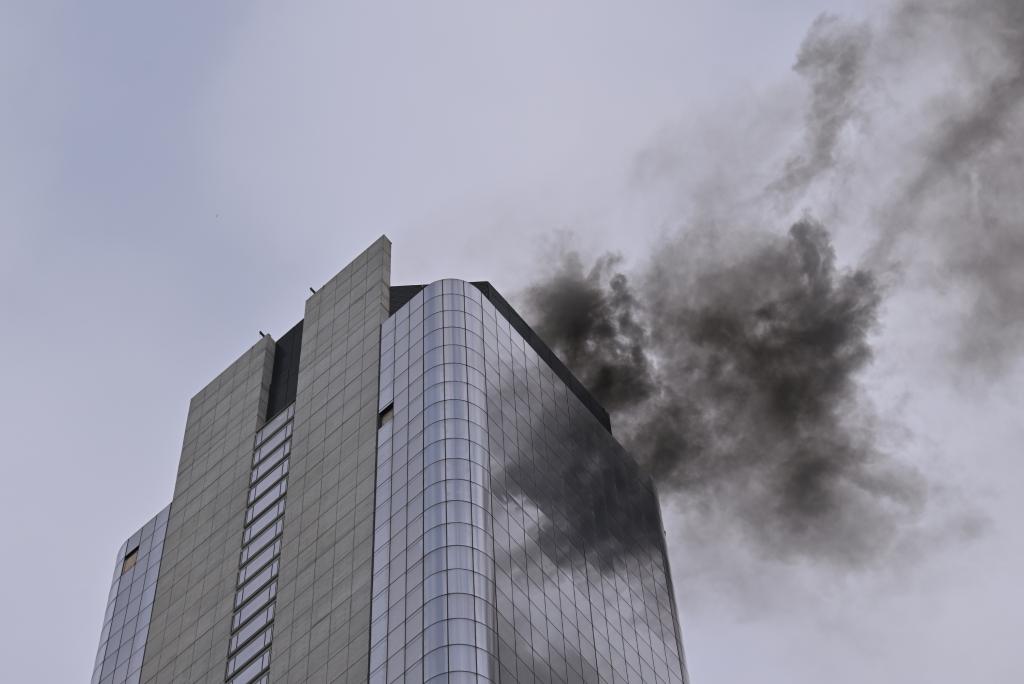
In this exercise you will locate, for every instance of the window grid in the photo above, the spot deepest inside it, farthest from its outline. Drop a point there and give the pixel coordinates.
(493, 475)
(433, 613)
(130, 605)
(252, 623)
(581, 569)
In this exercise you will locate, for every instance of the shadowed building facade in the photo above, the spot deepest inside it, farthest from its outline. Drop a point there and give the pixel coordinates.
(408, 486)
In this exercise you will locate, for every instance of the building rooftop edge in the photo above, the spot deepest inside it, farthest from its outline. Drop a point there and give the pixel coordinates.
(401, 294)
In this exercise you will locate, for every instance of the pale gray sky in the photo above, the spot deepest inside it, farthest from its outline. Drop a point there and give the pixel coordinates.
(174, 178)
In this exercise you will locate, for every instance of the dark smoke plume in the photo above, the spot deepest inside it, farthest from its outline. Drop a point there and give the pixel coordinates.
(731, 359)
(735, 383)
(592, 314)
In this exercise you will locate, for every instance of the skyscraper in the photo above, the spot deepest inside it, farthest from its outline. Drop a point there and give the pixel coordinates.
(407, 486)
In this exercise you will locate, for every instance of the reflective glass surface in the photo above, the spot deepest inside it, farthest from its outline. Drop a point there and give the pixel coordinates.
(515, 540)
(130, 605)
(433, 612)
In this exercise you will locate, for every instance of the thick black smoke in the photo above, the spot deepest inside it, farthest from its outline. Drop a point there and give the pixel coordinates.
(592, 315)
(739, 385)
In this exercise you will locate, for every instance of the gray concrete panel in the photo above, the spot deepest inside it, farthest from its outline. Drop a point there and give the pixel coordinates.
(321, 631)
(196, 584)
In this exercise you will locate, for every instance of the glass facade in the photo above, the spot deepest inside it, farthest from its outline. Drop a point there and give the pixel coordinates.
(130, 605)
(433, 611)
(514, 539)
(583, 585)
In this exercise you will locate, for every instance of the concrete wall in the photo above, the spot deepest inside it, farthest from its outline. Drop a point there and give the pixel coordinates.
(321, 631)
(196, 584)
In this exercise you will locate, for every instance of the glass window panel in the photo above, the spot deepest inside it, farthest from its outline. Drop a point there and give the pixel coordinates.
(249, 650)
(457, 469)
(261, 522)
(261, 540)
(259, 601)
(433, 516)
(264, 485)
(272, 443)
(433, 394)
(378, 654)
(251, 671)
(434, 610)
(434, 586)
(461, 631)
(462, 658)
(434, 637)
(252, 585)
(274, 424)
(460, 606)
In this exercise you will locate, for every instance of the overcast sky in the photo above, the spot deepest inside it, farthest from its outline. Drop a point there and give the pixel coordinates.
(174, 178)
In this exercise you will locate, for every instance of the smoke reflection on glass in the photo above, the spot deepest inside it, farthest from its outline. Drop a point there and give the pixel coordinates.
(536, 549)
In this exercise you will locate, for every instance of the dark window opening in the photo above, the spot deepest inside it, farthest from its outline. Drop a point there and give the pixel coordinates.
(130, 559)
(284, 376)
(386, 415)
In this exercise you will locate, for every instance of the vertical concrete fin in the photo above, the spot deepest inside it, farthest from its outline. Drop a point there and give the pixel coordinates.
(321, 629)
(195, 587)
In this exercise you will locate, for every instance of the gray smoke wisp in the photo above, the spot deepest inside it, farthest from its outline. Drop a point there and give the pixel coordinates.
(961, 194)
(832, 61)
